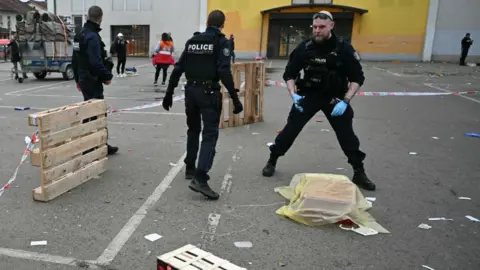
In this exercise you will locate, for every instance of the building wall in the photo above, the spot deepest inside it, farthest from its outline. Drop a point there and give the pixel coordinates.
(451, 27)
(373, 35)
(162, 16)
(4, 19)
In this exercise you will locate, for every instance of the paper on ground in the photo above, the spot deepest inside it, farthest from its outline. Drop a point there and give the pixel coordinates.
(38, 243)
(243, 244)
(153, 237)
(464, 198)
(473, 219)
(424, 226)
(439, 218)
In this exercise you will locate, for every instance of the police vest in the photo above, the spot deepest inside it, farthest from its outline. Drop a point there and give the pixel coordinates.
(201, 57)
(322, 70)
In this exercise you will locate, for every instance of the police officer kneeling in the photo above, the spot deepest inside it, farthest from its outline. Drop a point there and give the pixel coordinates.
(329, 65)
(205, 60)
(91, 66)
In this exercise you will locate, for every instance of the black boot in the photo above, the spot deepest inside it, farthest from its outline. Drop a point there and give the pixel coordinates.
(189, 171)
(360, 179)
(111, 149)
(200, 184)
(269, 168)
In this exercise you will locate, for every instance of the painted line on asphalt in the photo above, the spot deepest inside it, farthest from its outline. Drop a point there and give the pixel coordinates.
(42, 257)
(35, 88)
(133, 123)
(126, 232)
(118, 112)
(388, 71)
(63, 96)
(152, 113)
(448, 91)
(213, 219)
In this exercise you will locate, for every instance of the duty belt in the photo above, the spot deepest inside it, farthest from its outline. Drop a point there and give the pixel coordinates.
(210, 84)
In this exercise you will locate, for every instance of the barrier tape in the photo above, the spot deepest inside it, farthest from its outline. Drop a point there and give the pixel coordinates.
(27, 151)
(33, 139)
(384, 94)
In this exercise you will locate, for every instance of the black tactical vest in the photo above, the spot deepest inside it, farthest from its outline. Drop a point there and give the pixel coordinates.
(81, 57)
(201, 58)
(322, 70)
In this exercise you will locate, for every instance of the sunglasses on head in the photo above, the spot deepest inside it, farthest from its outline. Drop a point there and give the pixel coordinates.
(322, 16)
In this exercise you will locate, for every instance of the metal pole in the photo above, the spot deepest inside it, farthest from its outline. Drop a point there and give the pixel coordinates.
(55, 7)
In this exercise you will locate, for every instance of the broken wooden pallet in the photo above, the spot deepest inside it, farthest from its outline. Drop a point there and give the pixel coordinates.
(72, 147)
(189, 257)
(249, 78)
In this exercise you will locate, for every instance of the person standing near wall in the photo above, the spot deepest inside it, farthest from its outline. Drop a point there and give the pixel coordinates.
(120, 47)
(466, 43)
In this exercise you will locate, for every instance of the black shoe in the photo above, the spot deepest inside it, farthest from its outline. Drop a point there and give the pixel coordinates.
(203, 188)
(163, 83)
(111, 149)
(360, 179)
(190, 171)
(269, 168)
(155, 83)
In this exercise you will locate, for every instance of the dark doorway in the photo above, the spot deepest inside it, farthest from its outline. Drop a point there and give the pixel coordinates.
(287, 30)
(138, 37)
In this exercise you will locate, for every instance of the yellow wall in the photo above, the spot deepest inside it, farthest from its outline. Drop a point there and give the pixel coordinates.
(385, 29)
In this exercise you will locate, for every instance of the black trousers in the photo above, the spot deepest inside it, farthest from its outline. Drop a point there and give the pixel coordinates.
(89, 96)
(201, 107)
(463, 57)
(342, 125)
(121, 64)
(163, 67)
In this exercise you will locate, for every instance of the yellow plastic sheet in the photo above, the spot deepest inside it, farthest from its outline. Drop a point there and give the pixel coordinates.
(321, 199)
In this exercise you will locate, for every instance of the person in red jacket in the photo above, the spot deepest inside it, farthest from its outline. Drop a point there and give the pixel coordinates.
(163, 57)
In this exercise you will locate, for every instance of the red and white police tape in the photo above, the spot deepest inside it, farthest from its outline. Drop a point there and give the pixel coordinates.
(33, 140)
(384, 94)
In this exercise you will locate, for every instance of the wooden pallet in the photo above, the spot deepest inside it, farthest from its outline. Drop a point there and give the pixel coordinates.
(251, 95)
(72, 147)
(189, 257)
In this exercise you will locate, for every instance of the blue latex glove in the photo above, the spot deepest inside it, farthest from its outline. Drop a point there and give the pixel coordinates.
(297, 99)
(340, 108)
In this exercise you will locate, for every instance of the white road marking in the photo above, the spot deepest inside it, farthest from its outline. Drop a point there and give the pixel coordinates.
(31, 108)
(126, 232)
(29, 255)
(8, 79)
(214, 218)
(154, 113)
(133, 123)
(447, 91)
(35, 88)
(63, 96)
(388, 71)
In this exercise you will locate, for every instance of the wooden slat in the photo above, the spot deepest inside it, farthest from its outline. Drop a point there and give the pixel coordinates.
(49, 120)
(70, 181)
(261, 85)
(64, 152)
(76, 131)
(55, 173)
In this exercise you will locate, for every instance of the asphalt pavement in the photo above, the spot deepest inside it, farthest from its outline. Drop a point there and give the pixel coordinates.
(103, 222)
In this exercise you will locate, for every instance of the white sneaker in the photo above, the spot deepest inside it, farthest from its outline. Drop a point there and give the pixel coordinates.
(124, 75)
(118, 76)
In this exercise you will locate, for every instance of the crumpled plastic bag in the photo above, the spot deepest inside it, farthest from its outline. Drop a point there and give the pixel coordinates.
(321, 199)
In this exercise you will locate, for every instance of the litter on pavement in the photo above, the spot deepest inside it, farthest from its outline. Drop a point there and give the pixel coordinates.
(38, 243)
(413, 153)
(243, 244)
(473, 219)
(464, 198)
(476, 135)
(153, 237)
(428, 267)
(329, 199)
(424, 226)
(439, 218)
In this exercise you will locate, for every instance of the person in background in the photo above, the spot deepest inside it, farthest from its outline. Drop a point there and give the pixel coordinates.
(120, 47)
(16, 57)
(163, 57)
(466, 43)
(232, 48)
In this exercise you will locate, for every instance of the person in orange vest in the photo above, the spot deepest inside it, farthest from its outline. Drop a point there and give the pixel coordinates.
(163, 57)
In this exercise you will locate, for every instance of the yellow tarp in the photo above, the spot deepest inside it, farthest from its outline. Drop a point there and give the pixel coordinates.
(321, 199)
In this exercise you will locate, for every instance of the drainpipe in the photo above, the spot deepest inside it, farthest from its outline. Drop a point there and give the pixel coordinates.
(203, 10)
(261, 35)
(430, 31)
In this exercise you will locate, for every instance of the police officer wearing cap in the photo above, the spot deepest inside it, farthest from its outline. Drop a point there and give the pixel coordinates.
(332, 76)
(91, 66)
(205, 61)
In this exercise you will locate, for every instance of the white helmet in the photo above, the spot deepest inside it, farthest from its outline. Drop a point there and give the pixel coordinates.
(120, 35)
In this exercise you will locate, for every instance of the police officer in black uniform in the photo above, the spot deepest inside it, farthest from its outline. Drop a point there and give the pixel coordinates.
(332, 76)
(91, 66)
(205, 61)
